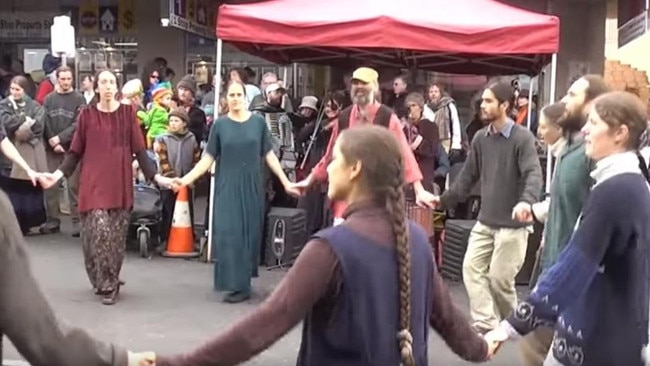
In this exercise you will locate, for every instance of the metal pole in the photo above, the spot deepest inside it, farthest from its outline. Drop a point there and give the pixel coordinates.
(217, 95)
(549, 155)
(530, 104)
(294, 85)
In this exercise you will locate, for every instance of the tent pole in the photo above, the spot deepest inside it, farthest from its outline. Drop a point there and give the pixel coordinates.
(217, 96)
(549, 155)
(530, 104)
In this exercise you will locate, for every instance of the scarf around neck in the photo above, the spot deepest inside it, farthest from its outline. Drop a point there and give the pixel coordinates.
(442, 120)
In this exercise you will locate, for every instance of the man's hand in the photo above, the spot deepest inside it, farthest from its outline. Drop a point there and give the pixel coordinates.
(59, 149)
(53, 141)
(523, 213)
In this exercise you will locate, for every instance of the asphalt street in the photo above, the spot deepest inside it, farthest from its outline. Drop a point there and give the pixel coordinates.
(168, 305)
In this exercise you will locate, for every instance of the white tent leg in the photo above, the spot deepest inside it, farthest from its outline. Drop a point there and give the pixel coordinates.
(531, 87)
(217, 95)
(549, 155)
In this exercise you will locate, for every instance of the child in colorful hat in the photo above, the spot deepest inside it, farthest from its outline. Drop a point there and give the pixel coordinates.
(156, 119)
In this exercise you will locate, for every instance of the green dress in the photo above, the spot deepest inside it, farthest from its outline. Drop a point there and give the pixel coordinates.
(239, 149)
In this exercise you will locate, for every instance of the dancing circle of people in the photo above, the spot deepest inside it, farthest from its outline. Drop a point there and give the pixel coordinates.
(367, 288)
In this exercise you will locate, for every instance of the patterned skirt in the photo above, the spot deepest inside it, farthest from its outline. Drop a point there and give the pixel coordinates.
(103, 237)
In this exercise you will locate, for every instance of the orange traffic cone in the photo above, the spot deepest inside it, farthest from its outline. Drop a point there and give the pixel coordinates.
(181, 238)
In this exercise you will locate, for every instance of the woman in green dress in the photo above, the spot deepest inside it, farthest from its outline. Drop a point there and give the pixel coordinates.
(239, 142)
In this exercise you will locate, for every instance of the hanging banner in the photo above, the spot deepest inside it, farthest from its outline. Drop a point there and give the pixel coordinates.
(193, 16)
(89, 17)
(126, 17)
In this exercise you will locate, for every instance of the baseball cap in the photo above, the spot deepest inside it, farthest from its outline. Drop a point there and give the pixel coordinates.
(274, 87)
(365, 75)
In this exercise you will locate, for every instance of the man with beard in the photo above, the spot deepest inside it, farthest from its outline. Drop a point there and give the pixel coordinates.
(504, 158)
(571, 185)
(365, 109)
(61, 108)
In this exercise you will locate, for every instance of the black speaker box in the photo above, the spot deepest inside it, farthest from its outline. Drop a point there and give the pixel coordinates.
(286, 235)
(454, 248)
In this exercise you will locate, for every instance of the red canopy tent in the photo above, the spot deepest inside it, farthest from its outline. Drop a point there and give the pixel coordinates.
(462, 36)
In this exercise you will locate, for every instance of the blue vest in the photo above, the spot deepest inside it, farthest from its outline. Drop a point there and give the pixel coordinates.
(363, 330)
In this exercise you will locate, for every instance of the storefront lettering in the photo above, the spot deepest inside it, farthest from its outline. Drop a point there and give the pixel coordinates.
(19, 25)
(182, 23)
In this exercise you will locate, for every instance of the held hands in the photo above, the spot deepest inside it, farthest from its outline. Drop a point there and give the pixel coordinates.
(523, 212)
(299, 188)
(424, 198)
(495, 339)
(47, 180)
(142, 359)
(292, 190)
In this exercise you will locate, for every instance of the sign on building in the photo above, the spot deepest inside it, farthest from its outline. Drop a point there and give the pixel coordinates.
(22, 25)
(108, 19)
(196, 16)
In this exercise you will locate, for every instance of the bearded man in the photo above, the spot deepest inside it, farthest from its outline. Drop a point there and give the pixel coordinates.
(571, 186)
(366, 109)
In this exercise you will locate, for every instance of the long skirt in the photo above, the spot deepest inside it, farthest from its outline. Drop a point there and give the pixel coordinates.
(27, 200)
(103, 238)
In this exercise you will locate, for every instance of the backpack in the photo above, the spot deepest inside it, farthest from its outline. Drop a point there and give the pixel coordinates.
(381, 119)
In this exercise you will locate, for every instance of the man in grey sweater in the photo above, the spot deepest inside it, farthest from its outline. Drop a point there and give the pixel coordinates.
(61, 108)
(504, 158)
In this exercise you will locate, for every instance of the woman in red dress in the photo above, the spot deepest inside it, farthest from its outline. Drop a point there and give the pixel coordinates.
(106, 139)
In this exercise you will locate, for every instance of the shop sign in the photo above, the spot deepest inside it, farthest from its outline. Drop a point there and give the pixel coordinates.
(25, 25)
(196, 16)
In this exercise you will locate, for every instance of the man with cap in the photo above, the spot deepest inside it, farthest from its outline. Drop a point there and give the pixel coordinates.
(186, 92)
(365, 109)
(313, 200)
(503, 157)
(50, 64)
(276, 117)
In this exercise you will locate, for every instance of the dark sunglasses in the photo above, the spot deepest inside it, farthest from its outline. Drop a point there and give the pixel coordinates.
(333, 106)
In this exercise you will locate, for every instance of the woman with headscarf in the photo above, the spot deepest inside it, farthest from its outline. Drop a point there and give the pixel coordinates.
(23, 119)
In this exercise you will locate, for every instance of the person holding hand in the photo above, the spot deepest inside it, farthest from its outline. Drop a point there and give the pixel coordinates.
(595, 297)
(367, 290)
(104, 143)
(241, 143)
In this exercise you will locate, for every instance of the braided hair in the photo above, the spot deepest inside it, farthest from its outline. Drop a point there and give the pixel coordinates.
(382, 173)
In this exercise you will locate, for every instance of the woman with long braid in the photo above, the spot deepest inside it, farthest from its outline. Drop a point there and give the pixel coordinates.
(366, 290)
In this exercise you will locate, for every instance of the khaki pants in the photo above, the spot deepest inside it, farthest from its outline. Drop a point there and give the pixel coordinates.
(534, 346)
(493, 259)
(53, 195)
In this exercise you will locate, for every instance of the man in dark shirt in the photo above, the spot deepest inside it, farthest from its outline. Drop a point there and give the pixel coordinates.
(61, 107)
(504, 158)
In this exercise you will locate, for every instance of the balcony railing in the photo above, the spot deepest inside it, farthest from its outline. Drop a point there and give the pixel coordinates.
(633, 29)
